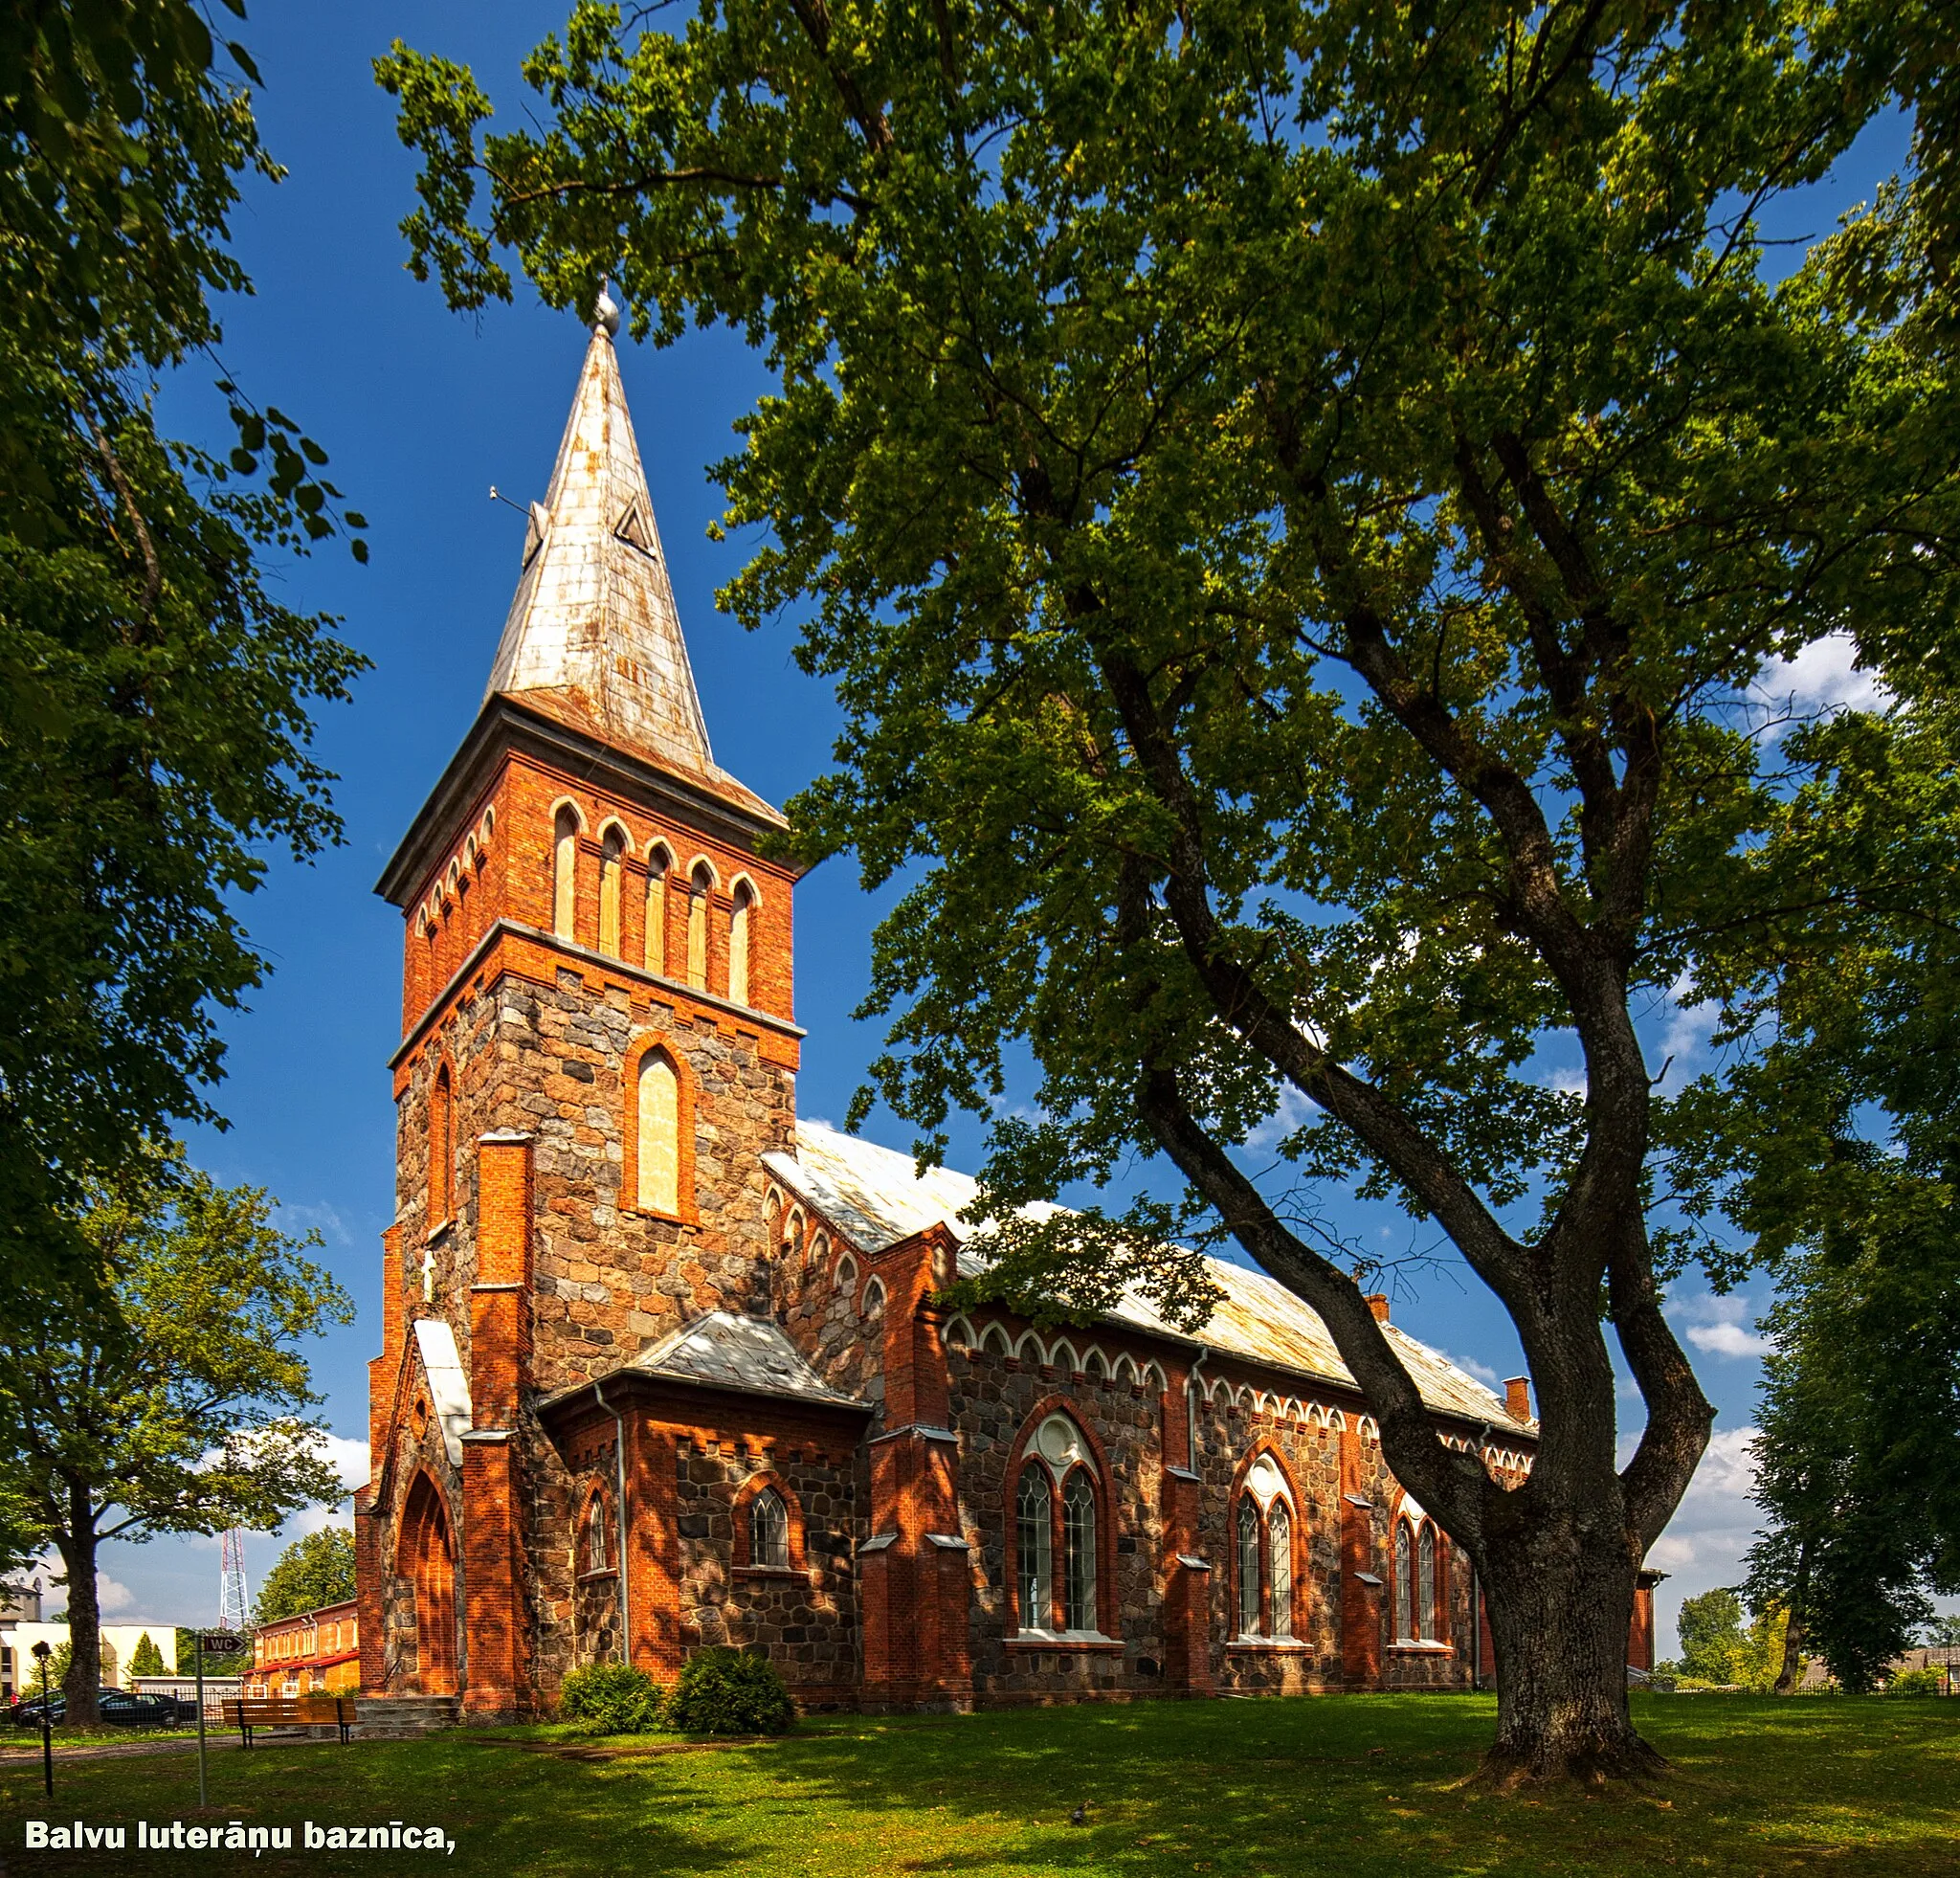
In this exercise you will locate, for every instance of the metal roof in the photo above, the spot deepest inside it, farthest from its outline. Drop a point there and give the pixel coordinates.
(877, 1197)
(723, 1350)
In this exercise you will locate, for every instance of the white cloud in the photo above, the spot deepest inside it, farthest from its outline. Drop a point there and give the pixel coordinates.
(1716, 1520)
(1721, 1326)
(348, 1458)
(316, 1216)
(1567, 1081)
(1292, 1112)
(112, 1596)
(1823, 677)
(1688, 1026)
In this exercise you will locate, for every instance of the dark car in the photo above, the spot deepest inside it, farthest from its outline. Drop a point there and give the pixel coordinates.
(129, 1707)
(28, 1714)
(117, 1708)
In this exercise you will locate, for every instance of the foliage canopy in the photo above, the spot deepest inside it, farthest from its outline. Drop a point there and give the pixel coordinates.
(1302, 505)
(154, 693)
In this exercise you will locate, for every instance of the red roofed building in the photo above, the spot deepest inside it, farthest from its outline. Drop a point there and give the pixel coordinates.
(312, 1651)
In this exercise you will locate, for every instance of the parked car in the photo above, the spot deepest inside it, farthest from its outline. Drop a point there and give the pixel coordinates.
(130, 1707)
(117, 1708)
(28, 1714)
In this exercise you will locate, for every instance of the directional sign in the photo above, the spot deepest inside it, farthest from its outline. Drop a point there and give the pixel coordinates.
(220, 1643)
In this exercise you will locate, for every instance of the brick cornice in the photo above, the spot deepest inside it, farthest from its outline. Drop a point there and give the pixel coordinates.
(505, 724)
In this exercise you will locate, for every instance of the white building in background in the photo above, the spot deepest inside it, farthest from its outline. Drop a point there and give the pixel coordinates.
(19, 1633)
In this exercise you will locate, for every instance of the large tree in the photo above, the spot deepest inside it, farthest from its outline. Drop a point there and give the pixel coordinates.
(177, 1400)
(155, 692)
(316, 1569)
(1295, 500)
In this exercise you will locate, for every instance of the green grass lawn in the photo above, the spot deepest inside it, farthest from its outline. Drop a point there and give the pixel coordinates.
(1362, 1787)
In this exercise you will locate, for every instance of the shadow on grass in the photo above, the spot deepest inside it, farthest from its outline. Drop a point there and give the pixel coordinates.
(1360, 1786)
(1368, 1786)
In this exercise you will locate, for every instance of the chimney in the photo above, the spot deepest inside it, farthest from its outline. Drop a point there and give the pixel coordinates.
(1378, 1303)
(1518, 1397)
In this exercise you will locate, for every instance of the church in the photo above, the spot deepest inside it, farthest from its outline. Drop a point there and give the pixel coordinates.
(661, 1365)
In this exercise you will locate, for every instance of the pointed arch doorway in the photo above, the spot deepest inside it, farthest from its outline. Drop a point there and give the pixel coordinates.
(426, 1557)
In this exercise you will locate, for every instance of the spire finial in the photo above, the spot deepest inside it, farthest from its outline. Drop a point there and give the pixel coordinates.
(606, 315)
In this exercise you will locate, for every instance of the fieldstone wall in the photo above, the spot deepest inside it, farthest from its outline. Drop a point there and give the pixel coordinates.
(805, 1618)
(992, 1397)
(1228, 1437)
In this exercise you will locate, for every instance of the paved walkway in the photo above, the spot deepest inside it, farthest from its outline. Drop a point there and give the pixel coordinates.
(13, 1754)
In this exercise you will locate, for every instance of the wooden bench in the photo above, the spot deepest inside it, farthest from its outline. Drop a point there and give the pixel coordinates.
(248, 1713)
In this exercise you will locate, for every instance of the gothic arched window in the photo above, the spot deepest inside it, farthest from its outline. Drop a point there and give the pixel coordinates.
(698, 888)
(1248, 1566)
(658, 1134)
(596, 1558)
(1405, 1584)
(612, 870)
(1034, 1548)
(659, 860)
(442, 1149)
(565, 872)
(1280, 1550)
(1078, 1553)
(740, 934)
(1425, 1582)
(768, 1530)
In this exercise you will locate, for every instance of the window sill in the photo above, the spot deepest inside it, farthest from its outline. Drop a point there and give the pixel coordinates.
(1086, 1642)
(439, 1230)
(604, 1572)
(1284, 1645)
(657, 1213)
(1421, 1647)
(770, 1572)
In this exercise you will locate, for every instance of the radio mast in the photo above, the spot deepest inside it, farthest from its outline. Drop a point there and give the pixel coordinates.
(232, 1602)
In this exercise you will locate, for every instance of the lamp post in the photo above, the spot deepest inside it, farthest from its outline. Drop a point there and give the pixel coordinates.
(40, 1654)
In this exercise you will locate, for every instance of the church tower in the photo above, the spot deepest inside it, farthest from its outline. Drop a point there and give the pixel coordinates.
(597, 1052)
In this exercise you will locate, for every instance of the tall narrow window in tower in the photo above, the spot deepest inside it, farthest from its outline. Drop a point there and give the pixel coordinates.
(1248, 1566)
(1079, 1547)
(768, 1530)
(596, 1558)
(1405, 1584)
(659, 860)
(698, 889)
(740, 921)
(612, 871)
(1425, 1584)
(441, 1148)
(565, 872)
(658, 1134)
(1033, 1549)
(1279, 1549)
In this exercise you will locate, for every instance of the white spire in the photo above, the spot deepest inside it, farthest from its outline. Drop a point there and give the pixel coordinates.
(592, 637)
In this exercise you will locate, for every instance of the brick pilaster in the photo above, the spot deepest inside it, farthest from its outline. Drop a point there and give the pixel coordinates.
(494, 1630)
(1361, 1602)
(370, 1616)
(916, 1591)
(652, 1549)
(1186, 1583)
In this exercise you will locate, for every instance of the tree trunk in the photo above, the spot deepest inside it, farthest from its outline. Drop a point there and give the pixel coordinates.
(1792, 1672)
(77, 1549)
(1560, 1601)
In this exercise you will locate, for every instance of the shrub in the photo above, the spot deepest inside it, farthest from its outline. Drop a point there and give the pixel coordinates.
(724, 1691)
(610, 1698)
(1917, 1682)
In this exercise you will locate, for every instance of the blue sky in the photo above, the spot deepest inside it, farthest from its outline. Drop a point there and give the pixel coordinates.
(422, 411)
